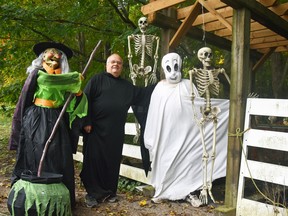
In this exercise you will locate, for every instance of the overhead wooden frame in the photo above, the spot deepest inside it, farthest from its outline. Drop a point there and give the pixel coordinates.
(269, 26)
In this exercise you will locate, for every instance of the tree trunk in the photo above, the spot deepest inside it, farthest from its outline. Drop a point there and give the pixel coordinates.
(279, 69)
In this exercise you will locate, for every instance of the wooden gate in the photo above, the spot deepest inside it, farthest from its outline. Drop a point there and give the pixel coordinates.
(130, 150)
(264, 162)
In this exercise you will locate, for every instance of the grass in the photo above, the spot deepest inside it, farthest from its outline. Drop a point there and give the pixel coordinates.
(7, 157)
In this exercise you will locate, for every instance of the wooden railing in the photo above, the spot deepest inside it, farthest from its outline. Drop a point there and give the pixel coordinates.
(264, 159)
(130, 150)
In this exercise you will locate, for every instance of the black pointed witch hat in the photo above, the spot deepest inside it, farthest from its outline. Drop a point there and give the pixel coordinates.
(42, 46)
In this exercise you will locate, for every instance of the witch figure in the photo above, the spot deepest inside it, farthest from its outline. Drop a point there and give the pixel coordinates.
(44, 93)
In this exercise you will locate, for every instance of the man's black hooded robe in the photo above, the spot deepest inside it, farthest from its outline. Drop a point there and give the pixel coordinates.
(109, 100)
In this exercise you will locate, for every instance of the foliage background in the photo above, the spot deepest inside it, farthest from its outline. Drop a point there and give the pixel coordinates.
(81, 24)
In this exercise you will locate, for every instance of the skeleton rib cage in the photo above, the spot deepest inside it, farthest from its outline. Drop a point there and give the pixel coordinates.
(207, 80)
(144, 42)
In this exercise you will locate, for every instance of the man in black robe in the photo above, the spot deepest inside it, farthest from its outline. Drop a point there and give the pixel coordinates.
(109, 97)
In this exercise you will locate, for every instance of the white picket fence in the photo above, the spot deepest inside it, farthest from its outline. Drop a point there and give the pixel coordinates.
(129, 150)
(268, 173)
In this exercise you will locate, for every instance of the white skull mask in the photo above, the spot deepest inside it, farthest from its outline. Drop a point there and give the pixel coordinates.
(142, 23)
(205, 56)
(171, 64)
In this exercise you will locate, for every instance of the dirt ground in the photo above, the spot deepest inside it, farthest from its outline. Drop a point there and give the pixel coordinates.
(129, 204)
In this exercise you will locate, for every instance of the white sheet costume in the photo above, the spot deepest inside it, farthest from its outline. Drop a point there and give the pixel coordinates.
(173, 137)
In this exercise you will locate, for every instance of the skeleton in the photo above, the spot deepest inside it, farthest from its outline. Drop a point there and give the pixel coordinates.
(143, 45)
(207, 83)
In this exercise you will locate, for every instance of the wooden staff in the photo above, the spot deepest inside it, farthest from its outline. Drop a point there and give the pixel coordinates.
(62, 113)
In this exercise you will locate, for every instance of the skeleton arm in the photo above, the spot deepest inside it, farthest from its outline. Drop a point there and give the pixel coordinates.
(130, 37)
(130, 56)
(222, 70)
(156, 54)
(191, 73)
(153, 77)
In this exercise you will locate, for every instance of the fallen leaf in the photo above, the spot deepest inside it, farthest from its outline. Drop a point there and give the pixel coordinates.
(143, 203)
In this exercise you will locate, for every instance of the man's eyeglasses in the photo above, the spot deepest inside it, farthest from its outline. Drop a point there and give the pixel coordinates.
(115, 62)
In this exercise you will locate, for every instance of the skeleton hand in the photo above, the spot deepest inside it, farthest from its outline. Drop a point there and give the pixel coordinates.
(153, 78)
(136, 138)
(133, 77)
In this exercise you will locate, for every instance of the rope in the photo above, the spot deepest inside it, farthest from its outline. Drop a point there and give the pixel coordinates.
(203, 25)
(239, 135)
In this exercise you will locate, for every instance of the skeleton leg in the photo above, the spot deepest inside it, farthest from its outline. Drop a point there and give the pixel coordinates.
(136, 137)
(133, 77)
(213, 155)
(203, 194)
(146, 79)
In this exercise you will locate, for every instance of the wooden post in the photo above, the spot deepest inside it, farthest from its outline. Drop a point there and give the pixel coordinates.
(240, 86)
(166, 34)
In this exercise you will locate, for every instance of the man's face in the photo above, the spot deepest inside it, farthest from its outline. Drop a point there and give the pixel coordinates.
(114, 65)
(52, 57)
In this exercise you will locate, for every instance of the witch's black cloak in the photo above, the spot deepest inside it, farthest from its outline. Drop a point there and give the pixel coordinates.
(31, 127)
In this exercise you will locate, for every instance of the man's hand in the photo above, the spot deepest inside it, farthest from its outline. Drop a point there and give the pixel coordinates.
(88, 128)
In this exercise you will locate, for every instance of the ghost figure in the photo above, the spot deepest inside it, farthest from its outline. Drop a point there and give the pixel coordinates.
(171, 64)
(172, 137)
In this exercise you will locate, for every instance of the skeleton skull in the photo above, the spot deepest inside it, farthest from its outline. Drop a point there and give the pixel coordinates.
(142, 23)
(205, 56)
(171, 64)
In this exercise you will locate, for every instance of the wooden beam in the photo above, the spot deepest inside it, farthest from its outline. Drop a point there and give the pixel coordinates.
(268, 3)
(262, 15)
(159, 5)
(282, 49)
(269, 45)
(269, 39)
(278, 49)
(216, 14)
(281, 9)
(163, 21)
(183, 12)
(263, 59)
(187, 23)
(262, 33)
(255, 26)
(216, 25)
(226, 12)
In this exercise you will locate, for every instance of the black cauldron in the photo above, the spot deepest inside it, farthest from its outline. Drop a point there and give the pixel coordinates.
(33, 195)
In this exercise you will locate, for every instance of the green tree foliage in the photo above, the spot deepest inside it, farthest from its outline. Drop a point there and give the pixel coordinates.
(80, 25)
(77, 24)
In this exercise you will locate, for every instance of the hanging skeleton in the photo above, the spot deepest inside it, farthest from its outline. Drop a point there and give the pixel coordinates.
(207, 83)
(143, 46)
